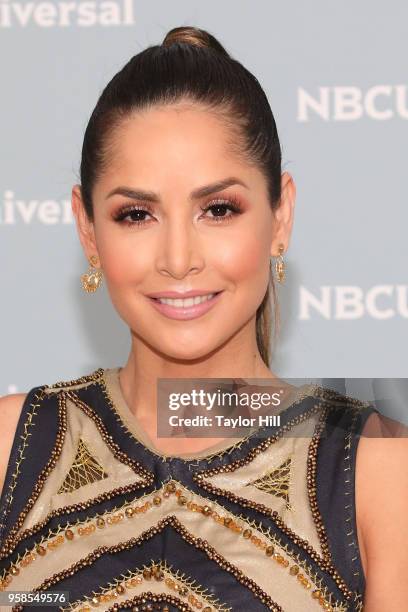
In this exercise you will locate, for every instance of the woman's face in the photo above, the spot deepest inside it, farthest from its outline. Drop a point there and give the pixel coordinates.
(172, 243)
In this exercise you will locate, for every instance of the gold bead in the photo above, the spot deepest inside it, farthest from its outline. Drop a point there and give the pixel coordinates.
(69, 534)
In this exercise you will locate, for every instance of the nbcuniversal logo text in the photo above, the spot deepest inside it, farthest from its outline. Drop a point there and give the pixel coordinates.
(348, 302)
(80, 13)
(47, 212)
(380, 102)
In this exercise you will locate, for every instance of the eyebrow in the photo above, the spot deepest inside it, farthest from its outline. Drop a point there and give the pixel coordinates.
(201, 192)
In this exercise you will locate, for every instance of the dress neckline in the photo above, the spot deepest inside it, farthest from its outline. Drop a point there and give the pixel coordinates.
(112, 387)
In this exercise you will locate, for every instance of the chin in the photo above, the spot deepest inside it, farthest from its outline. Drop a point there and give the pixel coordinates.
(190, 353)
(186, 349)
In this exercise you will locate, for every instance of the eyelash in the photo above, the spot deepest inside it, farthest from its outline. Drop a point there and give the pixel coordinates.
(232, 203)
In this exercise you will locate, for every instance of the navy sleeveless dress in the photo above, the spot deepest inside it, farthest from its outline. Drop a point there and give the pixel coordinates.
(89, 508)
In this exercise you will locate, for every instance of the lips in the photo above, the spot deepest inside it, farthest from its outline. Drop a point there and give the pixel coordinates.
(185, 308)
(181, 294)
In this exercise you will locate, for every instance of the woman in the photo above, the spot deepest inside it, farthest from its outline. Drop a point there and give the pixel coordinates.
(182, 196)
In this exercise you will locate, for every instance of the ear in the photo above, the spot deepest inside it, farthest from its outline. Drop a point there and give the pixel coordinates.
(284, 214)
(85, 227)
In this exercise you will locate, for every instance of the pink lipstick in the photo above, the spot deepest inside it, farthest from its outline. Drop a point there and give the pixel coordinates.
(184, 306)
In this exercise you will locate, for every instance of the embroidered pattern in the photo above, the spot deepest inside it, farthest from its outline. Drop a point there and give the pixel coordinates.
(315, 573)
(199, 543)
(84, 470)
(199, 597)
(323, 562)
(275, 482)
(146, 476)
(302, 572)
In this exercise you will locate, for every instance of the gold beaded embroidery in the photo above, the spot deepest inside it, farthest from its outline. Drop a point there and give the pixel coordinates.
(148, 595)
(196, 595)
(142, 599)
(147, 477)
(145, 536)
(312, 487)
(334, 400)
(293, 570)
(243, 526)
(62, 427)
(82, 380)
(29, 422)
(276, 481)
(329, 396)
(84, 470)
(323, 562)
(31, 413)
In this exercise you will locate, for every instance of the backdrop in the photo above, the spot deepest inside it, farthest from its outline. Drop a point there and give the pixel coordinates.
(335, 75)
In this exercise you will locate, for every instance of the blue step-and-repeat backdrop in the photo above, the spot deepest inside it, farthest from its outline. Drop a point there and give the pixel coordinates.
(336, 78)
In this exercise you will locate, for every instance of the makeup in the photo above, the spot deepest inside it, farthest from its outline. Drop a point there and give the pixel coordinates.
(185, 313)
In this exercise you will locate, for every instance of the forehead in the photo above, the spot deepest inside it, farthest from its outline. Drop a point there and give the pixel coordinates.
(175, 134)
(174, 149)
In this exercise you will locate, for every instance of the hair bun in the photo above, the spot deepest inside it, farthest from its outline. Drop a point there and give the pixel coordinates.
(190, 35)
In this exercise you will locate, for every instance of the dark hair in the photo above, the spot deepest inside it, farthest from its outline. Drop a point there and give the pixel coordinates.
(191, 64)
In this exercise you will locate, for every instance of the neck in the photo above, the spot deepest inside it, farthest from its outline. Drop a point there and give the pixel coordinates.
(138, 378)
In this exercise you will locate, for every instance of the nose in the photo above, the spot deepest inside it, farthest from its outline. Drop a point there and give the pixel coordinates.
(181, 251)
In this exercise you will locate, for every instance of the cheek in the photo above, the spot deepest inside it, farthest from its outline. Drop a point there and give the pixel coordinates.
(121, 260)
(244, 259)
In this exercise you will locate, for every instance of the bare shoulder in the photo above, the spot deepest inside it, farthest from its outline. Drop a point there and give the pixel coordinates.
(381, 511)
(10, 410)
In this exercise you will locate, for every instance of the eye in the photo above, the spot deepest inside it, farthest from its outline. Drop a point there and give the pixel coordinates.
(136, 214)
(219, 207)
(132, 214)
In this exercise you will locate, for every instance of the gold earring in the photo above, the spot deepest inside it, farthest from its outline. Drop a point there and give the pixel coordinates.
(280, 265)
(93, 278)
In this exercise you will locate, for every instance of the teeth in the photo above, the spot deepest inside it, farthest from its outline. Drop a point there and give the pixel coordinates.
(186, 303)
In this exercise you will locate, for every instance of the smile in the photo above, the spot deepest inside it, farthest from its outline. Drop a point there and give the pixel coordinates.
(187, 302)
(187, 308)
